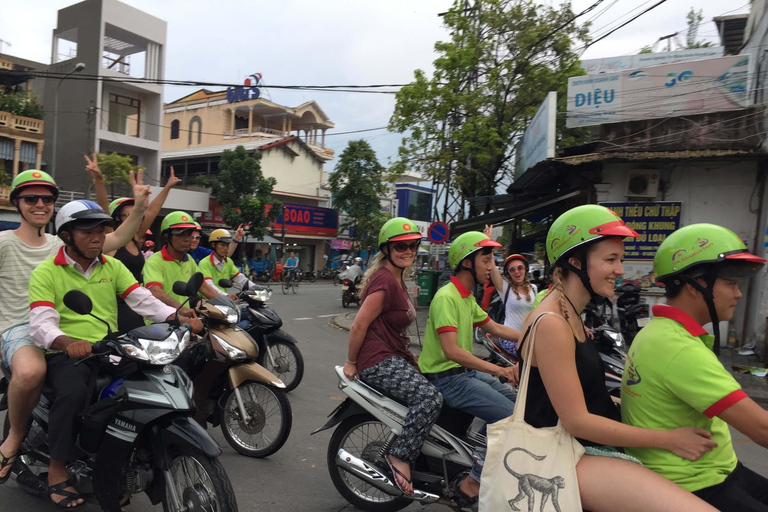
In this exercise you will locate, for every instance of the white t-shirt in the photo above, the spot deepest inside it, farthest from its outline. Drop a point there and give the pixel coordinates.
(17, 261)
(517, 309)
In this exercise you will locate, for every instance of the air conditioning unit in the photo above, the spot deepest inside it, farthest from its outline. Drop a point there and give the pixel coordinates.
(643, 183)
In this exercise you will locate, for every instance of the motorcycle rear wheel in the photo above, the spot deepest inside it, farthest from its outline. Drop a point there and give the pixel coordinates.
(344, 301)
(362, 436)
(200, 481)
(270, 424)
(289, 364)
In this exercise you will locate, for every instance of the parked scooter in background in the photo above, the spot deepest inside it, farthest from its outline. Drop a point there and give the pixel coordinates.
(633, 315)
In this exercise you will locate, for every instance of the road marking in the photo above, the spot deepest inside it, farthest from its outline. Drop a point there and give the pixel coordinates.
(303, 318)
(327, 316)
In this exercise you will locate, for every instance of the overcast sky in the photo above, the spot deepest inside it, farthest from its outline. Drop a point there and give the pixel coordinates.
(310, 42)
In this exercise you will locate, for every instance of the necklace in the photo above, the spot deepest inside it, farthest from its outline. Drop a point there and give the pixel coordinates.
(583, 327)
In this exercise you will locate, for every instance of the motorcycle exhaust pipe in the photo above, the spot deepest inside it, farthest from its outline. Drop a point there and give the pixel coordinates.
(364, 471)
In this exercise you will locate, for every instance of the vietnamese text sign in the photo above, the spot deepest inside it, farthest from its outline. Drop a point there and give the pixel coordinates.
(308, 219)
(538, 141)
(646, 60)
(684, 88)
(653, 222)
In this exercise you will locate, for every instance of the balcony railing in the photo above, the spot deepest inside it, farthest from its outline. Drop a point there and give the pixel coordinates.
(21, 123)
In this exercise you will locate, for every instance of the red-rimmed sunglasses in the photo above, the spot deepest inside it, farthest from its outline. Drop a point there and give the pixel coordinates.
(402, 246)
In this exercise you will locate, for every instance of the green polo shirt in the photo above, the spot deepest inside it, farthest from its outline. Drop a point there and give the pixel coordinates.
(211, 271)
(55, 277)
(673, 379)
(162, 270)
(453, 309)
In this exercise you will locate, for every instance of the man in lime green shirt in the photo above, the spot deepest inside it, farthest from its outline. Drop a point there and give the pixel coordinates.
(218, 265)
(673, 379)
(467, 382)
(172, 263)
(79, 265)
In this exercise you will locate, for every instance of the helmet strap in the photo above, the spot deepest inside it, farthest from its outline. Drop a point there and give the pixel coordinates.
(388, 253)
(582, 273)
(70, 241)
(709, 298)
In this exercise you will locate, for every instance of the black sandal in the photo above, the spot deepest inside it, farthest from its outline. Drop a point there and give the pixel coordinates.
(69, 496)
(4, 463)
(463, 500)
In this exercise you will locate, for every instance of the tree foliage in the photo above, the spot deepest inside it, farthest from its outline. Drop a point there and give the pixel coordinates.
(694, 19)
(503, 57)
(243, 192)
(21, 103)
(116, 170)
(357, 185)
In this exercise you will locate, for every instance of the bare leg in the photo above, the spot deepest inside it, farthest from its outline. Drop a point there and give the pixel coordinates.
(403, 468)
(57, 473)
(23, 392)
(636, 488)
(470, 487)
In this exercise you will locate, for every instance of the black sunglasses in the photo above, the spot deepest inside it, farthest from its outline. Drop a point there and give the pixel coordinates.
(402, 246)
(32, 199)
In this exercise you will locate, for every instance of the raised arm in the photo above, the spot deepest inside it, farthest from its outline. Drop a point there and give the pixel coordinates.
(496, 278)
(157, 203)
(239, 233)
(127, 230)
(92, 166)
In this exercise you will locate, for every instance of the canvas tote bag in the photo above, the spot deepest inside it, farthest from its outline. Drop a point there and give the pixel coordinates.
(529, 469)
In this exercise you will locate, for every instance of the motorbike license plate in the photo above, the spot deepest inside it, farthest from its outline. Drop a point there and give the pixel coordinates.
(345, 287)
(642, 322)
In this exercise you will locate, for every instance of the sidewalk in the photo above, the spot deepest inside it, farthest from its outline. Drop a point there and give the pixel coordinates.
(755, 387)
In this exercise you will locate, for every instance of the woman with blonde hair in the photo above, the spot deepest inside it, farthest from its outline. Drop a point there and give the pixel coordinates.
(379, 344)
(585, 247)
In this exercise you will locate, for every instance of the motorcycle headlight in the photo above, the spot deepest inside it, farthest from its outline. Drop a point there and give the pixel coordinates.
(617, 338)
(159, 352)
(232, 314)
(233, 353)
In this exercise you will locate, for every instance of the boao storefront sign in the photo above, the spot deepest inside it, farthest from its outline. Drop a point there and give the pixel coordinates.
(250, 90)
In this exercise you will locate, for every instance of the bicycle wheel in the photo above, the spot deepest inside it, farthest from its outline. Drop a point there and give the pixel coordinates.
(295, 286)
(286, 285)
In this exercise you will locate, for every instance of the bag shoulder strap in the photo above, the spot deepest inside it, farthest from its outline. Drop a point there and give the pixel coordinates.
(522, 389)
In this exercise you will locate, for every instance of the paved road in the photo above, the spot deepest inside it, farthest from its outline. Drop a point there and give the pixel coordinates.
(295, 479)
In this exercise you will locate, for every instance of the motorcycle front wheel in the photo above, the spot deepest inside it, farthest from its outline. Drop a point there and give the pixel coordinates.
(270, 420)
(289, 364)
(196, 482)
(362, 436)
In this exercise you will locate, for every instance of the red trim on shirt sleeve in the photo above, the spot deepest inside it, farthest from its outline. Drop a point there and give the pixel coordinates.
(208, 279)
(725, 403)
(42, 303)
(478, 324)
(234, 276)
(129, 290)
(153, 283)
(448, 328)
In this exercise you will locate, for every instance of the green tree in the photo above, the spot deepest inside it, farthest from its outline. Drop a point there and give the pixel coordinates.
(503, 57)
(243, 192)
(116, 169)
(357, 185)
(21, 103)
(5, 178)
(694, 19)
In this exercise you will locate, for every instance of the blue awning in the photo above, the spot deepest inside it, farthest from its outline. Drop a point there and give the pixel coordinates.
(28, 152)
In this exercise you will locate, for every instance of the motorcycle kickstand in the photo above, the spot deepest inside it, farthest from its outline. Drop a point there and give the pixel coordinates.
(239, 398)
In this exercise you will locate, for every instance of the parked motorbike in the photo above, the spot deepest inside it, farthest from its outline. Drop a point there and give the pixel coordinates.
(349, 292)
(278, 351)
(231, 389)
(309, 275)
(137, 435)
(369, 422)
(633, 315)
(264, 276)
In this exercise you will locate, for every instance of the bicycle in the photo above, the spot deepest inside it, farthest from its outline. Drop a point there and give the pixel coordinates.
(290, 281)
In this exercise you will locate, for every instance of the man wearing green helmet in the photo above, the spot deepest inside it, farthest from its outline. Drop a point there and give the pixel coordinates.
(467, 382)
(672, 377)
(33, 193)
(566, 381)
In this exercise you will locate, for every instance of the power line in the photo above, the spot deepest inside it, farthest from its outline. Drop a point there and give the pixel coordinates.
(624, 24)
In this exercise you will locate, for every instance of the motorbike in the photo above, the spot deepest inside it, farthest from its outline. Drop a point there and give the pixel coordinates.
(633, 314)
(231, 390)
(137, 433)
(367, 423)
(278, 351)
(309, 275)
(349, 292)
(264, 276)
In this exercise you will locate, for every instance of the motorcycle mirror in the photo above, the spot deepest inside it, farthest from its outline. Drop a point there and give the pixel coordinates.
(194, 283)
(78, 302)
(180, 288)
(225, 283)
(194, 301)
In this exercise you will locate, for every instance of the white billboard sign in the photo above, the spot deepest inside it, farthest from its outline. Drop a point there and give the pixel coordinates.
(671, 90)
(646, 60)
(538, 141)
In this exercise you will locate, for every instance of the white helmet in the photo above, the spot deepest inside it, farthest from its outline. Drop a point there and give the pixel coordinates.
(358, 260)
(81, 214)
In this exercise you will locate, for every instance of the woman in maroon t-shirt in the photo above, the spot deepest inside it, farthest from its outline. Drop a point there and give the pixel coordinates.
(378, 344)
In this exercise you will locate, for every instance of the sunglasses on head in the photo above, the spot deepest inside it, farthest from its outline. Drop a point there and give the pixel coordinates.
(519, 267)
(402, 246)
(32, 199)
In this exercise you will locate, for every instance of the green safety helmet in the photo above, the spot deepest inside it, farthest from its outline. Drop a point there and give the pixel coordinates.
(466, 245)
(31, 178)
(398, 229)
(694, 249)
(117, 204)
(198, 227)
(178, 220)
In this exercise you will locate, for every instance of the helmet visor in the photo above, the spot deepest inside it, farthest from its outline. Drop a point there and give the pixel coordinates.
(738, 270)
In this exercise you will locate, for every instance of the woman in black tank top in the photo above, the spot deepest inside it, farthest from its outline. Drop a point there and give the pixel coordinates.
(585, 247)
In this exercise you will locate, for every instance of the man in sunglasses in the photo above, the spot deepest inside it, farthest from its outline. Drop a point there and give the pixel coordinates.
(34, 193)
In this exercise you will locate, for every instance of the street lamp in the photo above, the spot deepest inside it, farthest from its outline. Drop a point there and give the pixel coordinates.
(78, 67)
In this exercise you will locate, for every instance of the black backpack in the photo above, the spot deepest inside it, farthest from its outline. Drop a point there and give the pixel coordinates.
(497, 311)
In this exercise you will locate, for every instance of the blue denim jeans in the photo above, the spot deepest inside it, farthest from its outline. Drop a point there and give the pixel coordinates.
(479, 394)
